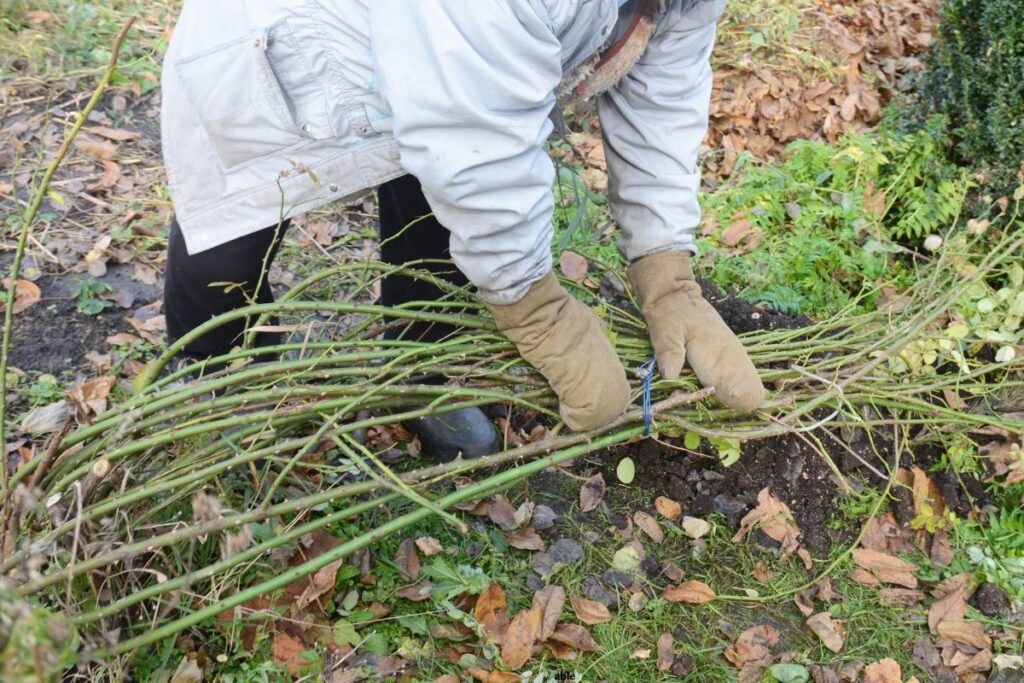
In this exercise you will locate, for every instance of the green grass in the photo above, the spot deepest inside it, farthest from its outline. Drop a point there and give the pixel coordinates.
(60, 38)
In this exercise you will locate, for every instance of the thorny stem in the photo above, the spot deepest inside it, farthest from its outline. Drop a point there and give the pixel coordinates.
(19, 252)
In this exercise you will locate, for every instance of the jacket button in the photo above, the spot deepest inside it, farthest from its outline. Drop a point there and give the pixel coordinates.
(306, 128)
(333, 187)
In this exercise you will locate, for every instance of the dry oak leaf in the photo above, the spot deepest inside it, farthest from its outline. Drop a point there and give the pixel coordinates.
(886, 567)
(649, 526)
(591, 493)
(491, 612)
(590, 612)
(885, 671)
(551, 601)
(665, 654)
(692, 592)
(520, 637)
(830, 632)
(668, 508)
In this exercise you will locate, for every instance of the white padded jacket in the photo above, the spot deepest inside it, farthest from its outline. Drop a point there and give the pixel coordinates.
(272, 108)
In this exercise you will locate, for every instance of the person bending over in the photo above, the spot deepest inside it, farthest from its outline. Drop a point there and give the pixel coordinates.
(443, 106)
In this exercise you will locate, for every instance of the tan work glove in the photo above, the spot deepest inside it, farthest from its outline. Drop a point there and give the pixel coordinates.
(684, 327)
(562, 338)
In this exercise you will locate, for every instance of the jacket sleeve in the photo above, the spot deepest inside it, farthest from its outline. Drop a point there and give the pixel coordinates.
(470, 87)
(653, 121)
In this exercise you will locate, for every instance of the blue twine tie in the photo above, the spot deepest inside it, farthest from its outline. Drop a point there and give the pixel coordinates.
(646, 373)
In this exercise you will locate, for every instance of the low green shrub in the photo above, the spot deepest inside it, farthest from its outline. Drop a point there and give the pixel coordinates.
(974, 79)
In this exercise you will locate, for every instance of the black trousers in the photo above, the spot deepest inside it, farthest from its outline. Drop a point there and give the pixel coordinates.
(198, 287)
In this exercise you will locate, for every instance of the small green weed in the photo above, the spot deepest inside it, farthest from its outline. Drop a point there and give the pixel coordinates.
(87, 296)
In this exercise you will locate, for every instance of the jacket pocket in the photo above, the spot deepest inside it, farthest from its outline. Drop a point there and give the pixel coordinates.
(254, 97)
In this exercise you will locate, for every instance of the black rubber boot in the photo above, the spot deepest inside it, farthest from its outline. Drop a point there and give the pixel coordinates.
(467, 432)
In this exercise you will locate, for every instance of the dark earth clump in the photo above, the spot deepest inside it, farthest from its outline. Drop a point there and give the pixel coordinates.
(991, 600)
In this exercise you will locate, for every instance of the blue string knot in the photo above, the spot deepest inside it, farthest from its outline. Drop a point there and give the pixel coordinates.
(646, 374)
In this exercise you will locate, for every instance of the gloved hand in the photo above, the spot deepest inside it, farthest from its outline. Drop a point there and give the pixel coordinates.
(684, 327)
(562, 338)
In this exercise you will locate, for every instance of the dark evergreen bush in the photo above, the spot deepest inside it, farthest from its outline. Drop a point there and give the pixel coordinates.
(976, 81)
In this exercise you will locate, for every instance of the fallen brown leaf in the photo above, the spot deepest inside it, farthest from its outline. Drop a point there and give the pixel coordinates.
(551, 601)
(111, 174)
(320, 584)
(694, 527)
(90, 398)
(96, 148)
(590, 612)
(592, 493)
(753, 646)
(520, 637)
(774, 518)
(526, 538)
(885, 671)
(649, 526)
(502, 513)
(830, 632)
(575, 636)
(665, 654)
(672, 571)
(26, 295)
(491, 612)
(115, 134)
(407, 560)
(416, 593)
(692, 592)
(286, 651)
(904, 597)
(485, 676)
(967, 632)
(952, 607)
(429, 546)
(886, 567)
